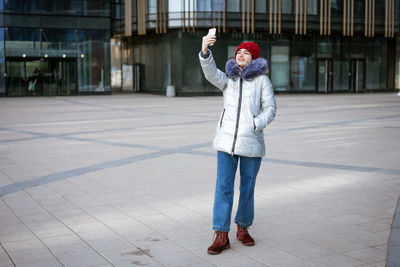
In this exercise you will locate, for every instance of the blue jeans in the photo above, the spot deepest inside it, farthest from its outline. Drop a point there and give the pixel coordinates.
(223, 199)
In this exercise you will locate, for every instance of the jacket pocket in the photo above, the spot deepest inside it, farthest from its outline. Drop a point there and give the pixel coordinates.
(222, 118)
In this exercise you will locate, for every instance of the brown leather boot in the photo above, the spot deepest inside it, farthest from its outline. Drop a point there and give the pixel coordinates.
(220, 243)
(244, 236)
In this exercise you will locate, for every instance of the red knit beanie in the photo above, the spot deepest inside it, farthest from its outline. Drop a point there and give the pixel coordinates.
(251, 47)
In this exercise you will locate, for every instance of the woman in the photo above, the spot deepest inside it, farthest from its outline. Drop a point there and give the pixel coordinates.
(249, 106)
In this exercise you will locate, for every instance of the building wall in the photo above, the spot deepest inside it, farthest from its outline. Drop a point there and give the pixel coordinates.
(60, 46)
(297, 63)
(319, 60)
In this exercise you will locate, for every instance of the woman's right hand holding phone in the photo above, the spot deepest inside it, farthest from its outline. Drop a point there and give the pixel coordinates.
(208, 40)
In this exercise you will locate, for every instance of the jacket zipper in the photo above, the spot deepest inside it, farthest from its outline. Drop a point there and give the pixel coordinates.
(222, 117)
(238, 116)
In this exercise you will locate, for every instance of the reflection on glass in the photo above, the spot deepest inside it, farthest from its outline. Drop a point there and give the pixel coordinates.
(116, 62)
(59, 39)
(260, 6)
(152, 7)
(302, 73)
(72, 7)
(20, 41)
(287, 6)
(2, 63)
(325, 73)
(94, 68)
(397, 74)
(280, 67)
(233, 5)
(359, 8)
(13, 6)
(204, 5)
(376, 63)
(312, 7)
(325, 47)
(357, 69)
(341, 75)
(336, 8)
(16, 81)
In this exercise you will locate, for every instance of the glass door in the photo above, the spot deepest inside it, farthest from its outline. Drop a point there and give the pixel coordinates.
(357, 75)
(34, 75)
(59, 77)
(325, 75)
(16, 82)
(68, 78)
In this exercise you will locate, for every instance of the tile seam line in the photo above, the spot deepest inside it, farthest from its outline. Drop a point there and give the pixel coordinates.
(311, 164)
(155, 230)
(40, 240)
(390, 246)
(129, 109)
(1, 245)
(40, 204)
(39, 135)
(20, 186)
(108, 227)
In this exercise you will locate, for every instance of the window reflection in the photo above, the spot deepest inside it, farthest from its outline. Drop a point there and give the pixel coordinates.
(287, 6)
(203, 5)
(336, 8)
(260, 6)
(359, 8)
(312, 7)
(94, 67)
(232, 5)
(65, 7)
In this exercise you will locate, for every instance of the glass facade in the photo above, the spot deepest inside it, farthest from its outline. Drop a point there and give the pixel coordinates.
(83, 55)
(94, 61)
(68, 7)
(397, 75)
(2, 63)
(302, 64)
(56, 58)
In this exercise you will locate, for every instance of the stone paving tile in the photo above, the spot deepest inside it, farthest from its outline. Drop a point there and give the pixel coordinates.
(33, 255)
(183, 258)
(137, 173)
(15, 232)
(131, 256)
(368, 255)
(300, 248)
(88, 259)
(71, 250)
(4, 258)
(237, 261)
(60, 241)
(51, 263)
(156, 247)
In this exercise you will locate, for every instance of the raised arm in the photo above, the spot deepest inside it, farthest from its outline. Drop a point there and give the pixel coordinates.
(212, 74)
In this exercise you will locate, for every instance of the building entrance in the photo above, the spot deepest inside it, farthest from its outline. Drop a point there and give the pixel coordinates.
(41, 77)
(325, 76)
(357, 75)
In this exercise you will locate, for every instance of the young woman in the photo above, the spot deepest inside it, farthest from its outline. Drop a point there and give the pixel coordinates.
(249, 106)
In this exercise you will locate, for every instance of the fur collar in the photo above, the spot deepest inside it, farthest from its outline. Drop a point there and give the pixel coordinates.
(255, 68)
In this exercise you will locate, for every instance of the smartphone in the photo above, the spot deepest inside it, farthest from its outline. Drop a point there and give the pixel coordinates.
(212, 31)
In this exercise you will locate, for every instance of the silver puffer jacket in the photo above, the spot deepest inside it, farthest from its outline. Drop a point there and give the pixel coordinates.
(249, 105)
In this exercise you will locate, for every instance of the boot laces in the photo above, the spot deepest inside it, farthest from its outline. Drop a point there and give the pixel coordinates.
(217, 235)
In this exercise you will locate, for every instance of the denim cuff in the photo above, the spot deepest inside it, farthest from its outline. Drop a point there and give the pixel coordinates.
(242, 224)
(220, 229)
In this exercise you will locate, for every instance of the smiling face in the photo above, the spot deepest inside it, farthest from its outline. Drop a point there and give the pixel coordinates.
(243, 57)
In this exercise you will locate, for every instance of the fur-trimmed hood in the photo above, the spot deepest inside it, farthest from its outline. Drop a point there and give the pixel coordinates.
(255, 68)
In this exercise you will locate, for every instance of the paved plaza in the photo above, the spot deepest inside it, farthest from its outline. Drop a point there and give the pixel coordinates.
(126, 180)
